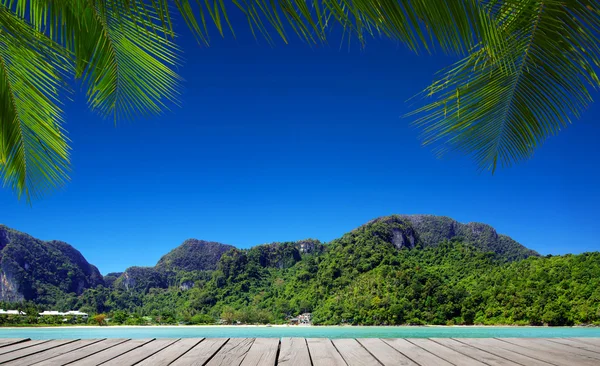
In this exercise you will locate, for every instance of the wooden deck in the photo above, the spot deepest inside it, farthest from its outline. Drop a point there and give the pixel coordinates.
(303, 352)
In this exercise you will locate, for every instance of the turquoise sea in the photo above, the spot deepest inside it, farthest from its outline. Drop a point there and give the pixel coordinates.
(295, 331)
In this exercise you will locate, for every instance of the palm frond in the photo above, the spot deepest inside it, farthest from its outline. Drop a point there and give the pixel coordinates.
(34, 151)
(501, 115)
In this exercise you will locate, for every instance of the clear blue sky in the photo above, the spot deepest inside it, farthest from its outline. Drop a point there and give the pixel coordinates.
(289, 142)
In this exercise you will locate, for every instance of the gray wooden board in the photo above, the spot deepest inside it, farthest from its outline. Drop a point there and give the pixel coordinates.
(82, 352)
(554, 354)
(354, 353)
(293, 352)
(444, 352)
(555, 358)
(34, 349)
(141, 353)
(17, 346)
(484, 345)
(544, 344)
(594, 341)
(263, 352)
(200, 353)
(232, 353)
(53, 352)
(323, 353)
(8, 341)
(110, 353)
(384, 353)
(476, 353)
(171, 353)
(576, 344)
(416, 353)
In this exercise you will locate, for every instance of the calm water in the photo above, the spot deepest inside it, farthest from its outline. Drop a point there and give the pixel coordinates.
(328, 332)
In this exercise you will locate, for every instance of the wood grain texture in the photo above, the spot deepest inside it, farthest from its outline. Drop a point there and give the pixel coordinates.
(354, 353)
(8, 341)
(232, 353)
(384, 353)
(593, 341)
(201, 353)
(575, 343)
(17, 346)
(545, 344)
(82, 352)
(141, 353)
(262, 353)
(169, 354)
(323, 352)
(416, 353)
(294, 352)
(446, 353)
(553, 354)
(484, 344)
(110, 353)
(41, 347)
(476, 353)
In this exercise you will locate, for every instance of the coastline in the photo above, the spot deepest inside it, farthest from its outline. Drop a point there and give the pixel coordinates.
(289, 326)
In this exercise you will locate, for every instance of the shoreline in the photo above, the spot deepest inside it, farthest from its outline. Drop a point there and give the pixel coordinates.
(291, 326)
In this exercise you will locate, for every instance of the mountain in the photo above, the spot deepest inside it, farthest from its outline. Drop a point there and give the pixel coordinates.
(32, 269)
(399, 269)
(194, 255)
(390, 271)
(432, 230)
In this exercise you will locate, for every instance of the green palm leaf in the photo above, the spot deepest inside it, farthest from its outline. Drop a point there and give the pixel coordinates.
(501, 115)
(34, 155)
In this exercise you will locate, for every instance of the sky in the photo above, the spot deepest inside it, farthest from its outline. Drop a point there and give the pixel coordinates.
(291, 142)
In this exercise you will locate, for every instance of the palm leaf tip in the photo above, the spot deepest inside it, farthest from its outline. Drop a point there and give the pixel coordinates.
(501, 115)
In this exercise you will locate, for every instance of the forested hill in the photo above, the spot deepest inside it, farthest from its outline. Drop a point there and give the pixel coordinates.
(32, 269)
(392, 270)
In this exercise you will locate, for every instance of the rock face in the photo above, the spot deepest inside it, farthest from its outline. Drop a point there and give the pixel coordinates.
(430, 230)
(31, 268)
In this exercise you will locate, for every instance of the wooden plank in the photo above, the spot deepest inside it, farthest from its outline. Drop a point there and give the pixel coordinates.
(384, 353)
(85, 351)
(323, 353)
(141, 353)
(444, 352)
(575, 343)
(53, 352)
(484, 345)
(232, 353)
(592, 341)
(416, 353)
(17, 346)
(545, 343)
(201, 353)
(545, 346)
(8, 341)
(476, 353)
(34, 349)
(171, 353)
(293, 352)
(353, 353)
(262, 352)
(110, 353)
(552, 357)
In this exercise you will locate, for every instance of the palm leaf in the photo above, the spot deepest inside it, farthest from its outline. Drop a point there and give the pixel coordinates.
(34, 154)
(501, 115)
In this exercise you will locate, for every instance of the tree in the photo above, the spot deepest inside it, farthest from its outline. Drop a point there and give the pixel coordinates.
(99, 319)
(526, 73)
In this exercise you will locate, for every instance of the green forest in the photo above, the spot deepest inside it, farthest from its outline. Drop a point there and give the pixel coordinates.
(363, 278)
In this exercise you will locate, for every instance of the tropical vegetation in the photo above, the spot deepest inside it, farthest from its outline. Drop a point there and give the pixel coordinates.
(373, 275)
(526, 71)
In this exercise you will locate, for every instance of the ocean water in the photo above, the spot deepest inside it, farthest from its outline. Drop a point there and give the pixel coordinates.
(295, 331)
